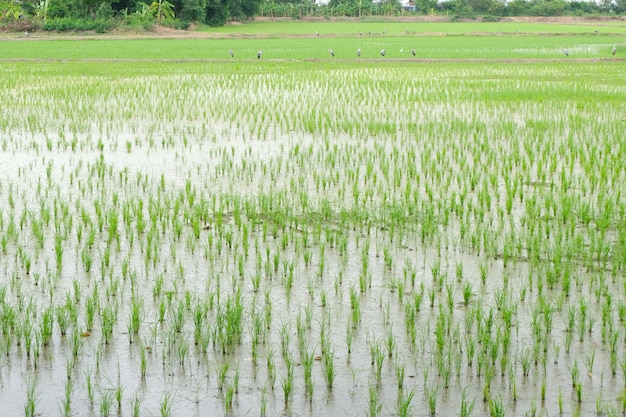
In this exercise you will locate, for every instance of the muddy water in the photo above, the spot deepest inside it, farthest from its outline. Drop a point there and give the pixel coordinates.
(193, 386)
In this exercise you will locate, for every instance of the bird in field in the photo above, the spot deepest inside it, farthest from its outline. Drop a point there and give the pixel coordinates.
(413, 51)
(614, 50)
(358, 52)
(382, 52)
(317, 33)
(401, 50)
(258, 54)
(565, 51)
(231, 53)
(26, 34)
(360, 33)
(331, 52)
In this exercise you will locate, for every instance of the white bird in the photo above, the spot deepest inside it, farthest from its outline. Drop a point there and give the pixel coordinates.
(231, 53)
(401, 50)
(358, 52)
(413, 51)
(383, 52)
(317, 33)
(258, 54)
(26, 34)
(565, 51)
(614, 50)
(331, 52)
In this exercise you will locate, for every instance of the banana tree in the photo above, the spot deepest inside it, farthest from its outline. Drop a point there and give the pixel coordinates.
(162, 9)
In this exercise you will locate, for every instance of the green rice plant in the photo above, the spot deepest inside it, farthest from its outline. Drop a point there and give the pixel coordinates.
(403, 406)
(134, 317)
(349, 338)
(496, 407)
(328, 363)
(390, 342)
(106, 402)
(287, 384)
(108, 320)
(66, 405)
(263, 411)
(355, 306)
(467, 292)
(90, 392)
(165, 406)
(271, 368)
(76, 342)
(31, 398)
(432, 393)
(119, 390)
(222, 372)
(400, 372)
(307, 364)
(575, 374)
(374, 405)
(589, 360)
(467, 407)
(578, 387)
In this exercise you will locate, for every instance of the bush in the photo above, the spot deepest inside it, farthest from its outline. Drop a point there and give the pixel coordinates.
(137, 21)
(66, 24)
(175, 24)
(491, 18)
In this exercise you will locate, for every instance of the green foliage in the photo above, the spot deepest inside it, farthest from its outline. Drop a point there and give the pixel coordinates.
(65, 24)
(216, 12)
(491, 18)
(549, 8)
(105, 11)
(9, 11)
(193, 10)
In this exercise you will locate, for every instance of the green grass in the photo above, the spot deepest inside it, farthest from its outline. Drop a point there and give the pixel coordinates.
(297, 41)
(391, 28)
(427, 47)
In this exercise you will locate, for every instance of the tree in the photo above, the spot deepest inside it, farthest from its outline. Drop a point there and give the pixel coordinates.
(192, 10)
(161, 10)
(216, 12)
(9, 10)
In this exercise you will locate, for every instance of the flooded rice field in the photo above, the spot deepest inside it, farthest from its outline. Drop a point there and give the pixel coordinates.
(446, 239)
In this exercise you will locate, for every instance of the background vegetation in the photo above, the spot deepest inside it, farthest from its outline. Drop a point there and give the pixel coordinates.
(102, 16)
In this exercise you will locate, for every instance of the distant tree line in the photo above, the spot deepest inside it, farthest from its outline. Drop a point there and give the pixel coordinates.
(102, 16)
(459, 8)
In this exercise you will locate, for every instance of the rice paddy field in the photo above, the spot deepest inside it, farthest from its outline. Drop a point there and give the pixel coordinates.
(183, 233)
